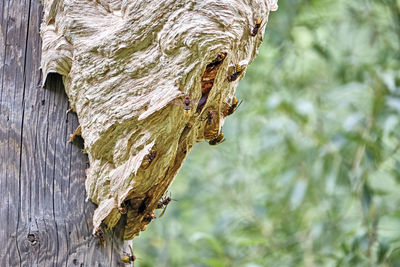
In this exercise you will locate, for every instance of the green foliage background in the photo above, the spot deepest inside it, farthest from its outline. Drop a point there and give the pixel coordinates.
(309, 174)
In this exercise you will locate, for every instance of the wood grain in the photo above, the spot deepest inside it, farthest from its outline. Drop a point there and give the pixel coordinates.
(44, 218)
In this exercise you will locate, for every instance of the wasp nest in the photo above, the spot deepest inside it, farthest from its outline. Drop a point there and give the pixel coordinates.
(147, 80)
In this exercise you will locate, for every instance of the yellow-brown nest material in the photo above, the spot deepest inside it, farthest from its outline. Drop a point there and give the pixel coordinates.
(125, 64)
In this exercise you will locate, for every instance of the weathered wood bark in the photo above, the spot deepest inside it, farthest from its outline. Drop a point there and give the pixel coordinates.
(44, 219)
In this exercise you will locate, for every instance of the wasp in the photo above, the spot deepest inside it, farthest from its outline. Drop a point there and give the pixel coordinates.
(187, 103)
(148, 218)
(236, 73)
(210, 117)
(202, 102)
(123, 209)
(256, 27)
(130, 258)
(218, 140)
(148, 159)
(163, 203)
(100, 235)
(218, 60)
(234, 106)
(186, 109)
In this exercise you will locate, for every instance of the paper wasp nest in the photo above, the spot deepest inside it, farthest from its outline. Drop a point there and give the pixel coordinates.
(147, 80)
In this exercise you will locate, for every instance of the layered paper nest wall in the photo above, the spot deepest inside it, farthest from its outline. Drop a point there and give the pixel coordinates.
(127, 67)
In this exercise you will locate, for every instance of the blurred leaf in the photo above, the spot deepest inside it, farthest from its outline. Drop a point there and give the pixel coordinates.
(366, 198)
(298, 193)
(383, 250)
(214, 262)
(394, 257)
(396, 171)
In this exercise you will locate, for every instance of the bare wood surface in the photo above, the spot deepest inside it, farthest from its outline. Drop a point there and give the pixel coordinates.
(44, 218)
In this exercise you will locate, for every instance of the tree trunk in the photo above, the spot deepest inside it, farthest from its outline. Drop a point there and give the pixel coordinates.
(44, 218)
